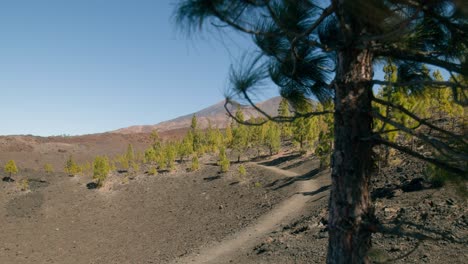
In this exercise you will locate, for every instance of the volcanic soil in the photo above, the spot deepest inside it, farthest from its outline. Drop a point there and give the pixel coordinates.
(146, 219)
(277, 213)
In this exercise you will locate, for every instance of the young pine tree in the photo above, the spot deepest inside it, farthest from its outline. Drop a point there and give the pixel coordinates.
(100, 170)
(239, 136)
(283, 110)
(48, 168)
(71, 168)
(195, 163)
(223, 161)
(273, 137)
(130, 154)
(242, 170)
(10, 168)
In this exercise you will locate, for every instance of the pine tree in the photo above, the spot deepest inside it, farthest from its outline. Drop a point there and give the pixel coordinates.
(71, 168)
(194, 123)
(185, 147)
(100, 170)
(239, 136)
(223, 161)
(327, 50)
(150, 155)
(156, 141)
(242, 170)
(324, 147)
(10, 168)
(153, 171)
(170, 153)
(257, 136)
(273, 137)
(228, 135)
(130, 154)
(195, 163)
(283, 110)
(214, 138)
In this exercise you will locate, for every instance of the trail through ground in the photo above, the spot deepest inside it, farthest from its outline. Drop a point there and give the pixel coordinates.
(224, 251)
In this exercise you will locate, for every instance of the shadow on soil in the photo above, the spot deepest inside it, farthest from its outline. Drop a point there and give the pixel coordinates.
(92, 186)
(281, 183)
(212, 178)
(319, 190)
(281, 160)
(391, 190)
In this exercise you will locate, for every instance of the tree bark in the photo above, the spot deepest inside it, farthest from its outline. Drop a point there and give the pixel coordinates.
(350, 205)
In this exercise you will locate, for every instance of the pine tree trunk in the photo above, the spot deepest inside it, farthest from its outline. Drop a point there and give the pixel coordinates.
(350, 204)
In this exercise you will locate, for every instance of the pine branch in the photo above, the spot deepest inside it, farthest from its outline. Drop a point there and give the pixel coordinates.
(418, 56)
(420, 120)
(276, 119)
(397, 32)
(435, 84)
(442, 147)
(444, 165)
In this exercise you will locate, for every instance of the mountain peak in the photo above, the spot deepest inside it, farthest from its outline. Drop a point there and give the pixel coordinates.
(216, 114)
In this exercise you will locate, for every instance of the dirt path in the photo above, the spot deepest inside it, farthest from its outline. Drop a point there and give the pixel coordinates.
(224, 251)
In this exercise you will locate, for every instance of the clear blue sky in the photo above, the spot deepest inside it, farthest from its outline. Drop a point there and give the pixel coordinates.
(87, 66)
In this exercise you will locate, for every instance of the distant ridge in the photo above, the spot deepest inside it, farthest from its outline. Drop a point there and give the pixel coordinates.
(215, 113)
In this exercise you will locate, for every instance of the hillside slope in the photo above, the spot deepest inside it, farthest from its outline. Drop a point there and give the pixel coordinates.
(215, 113)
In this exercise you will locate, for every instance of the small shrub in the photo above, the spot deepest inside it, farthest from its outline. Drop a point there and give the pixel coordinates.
(71, 168)
(125, 180)
(11, 168)
(48, 168)
(153, 171)
(135, 167)
(223, 162)
(440, 177)
(242, 170)
(24, 185)
(101, 170)
(258, 185)
(195, 163)
(171, 165)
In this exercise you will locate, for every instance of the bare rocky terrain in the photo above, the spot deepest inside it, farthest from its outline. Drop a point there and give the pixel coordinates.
(149, 219)
(208, 217)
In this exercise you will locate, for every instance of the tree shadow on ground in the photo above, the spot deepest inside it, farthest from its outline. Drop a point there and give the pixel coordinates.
(284, 182)
(212, 178)
(281, 160)
(423, 232)
(419, 232)
(259, 158)
(7, 179)
(390, 191)
(319, 190)
(92, 185)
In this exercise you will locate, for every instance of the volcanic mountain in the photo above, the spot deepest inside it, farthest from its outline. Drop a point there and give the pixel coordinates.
(216, 114)
(33, 152)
